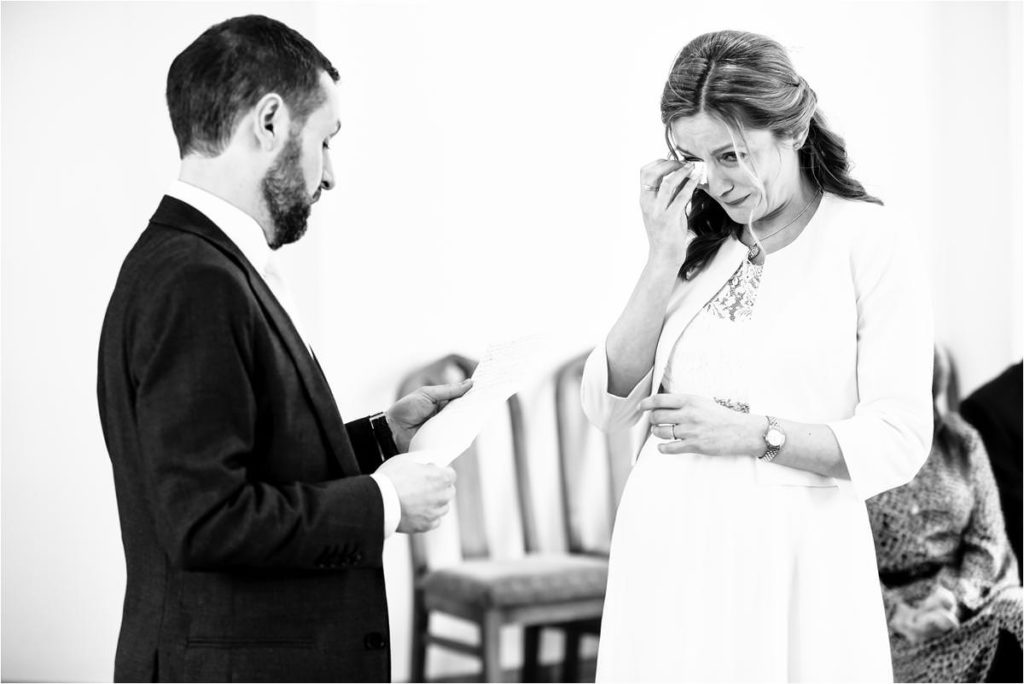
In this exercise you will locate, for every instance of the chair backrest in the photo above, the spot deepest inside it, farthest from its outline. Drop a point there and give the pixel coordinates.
(593, 466)
(470, 509)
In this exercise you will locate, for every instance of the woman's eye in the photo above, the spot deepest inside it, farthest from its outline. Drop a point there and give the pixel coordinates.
(732, 156)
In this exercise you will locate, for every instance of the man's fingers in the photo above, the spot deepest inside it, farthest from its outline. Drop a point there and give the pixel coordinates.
(443, 393)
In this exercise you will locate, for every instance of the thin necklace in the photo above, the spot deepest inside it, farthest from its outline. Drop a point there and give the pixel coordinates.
(755, 248)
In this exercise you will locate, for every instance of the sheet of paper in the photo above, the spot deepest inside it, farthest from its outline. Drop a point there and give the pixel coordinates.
(500, 374)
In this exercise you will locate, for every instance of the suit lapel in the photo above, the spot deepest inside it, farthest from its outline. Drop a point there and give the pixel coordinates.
(688, 298)
(177, 214)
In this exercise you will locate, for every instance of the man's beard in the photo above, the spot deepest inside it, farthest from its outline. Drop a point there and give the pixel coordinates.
(284, 190)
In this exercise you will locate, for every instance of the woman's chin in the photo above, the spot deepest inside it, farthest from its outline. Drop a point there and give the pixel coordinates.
(741, 213)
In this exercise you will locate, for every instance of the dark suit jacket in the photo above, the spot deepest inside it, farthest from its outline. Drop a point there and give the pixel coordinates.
(995, 412)
(252, 539)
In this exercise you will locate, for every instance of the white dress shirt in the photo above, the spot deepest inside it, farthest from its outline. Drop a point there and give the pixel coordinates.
(248, 236)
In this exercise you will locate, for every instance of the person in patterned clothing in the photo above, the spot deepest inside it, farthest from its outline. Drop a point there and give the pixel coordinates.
(949, 577)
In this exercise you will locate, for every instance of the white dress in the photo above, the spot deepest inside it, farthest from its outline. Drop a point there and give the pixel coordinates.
(718, 573)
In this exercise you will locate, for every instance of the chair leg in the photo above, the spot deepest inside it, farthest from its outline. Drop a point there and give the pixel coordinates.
(420, 628)
(531, 653)
(490, 646)
(571, 657)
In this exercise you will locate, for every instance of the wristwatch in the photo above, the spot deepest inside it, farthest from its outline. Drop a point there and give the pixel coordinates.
(382, 433)
(774, 439)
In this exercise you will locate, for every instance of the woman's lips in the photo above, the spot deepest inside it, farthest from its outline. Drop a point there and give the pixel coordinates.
(737, 202)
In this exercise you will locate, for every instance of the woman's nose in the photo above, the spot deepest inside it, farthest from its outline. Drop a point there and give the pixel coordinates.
(718, 184)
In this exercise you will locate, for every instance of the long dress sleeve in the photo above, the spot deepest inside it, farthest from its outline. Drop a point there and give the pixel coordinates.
(605, 410)
(887, 439)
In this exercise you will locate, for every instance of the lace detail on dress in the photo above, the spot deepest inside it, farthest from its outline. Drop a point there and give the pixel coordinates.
(741, 406)
(735, 301)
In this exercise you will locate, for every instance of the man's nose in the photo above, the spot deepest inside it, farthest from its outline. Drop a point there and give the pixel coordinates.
(327, 179)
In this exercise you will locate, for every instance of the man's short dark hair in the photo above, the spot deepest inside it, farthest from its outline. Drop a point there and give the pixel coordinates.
(229, 68)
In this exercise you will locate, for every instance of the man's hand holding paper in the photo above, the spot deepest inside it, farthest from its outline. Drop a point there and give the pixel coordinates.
(498, 376)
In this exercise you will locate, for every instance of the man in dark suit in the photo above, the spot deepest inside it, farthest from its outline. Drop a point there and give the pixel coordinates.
(995, 411)
(252, 516)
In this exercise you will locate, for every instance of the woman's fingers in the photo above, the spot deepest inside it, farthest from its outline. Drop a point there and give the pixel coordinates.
(941, 597)
(651, 174)
(666, 401)
(677, 447)
(670, 431)
(677, 185)
(667, 417)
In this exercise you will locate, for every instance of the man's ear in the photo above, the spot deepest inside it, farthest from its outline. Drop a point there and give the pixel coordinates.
(271, 121)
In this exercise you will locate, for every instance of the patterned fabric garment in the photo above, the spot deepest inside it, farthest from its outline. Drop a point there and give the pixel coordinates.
(946, 527)
(735, 301)
(731, 307)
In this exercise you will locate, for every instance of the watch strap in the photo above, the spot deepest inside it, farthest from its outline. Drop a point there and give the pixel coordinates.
(770, 451)
(382, 433)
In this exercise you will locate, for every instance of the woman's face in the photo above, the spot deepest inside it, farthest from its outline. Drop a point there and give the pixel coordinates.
(773, 161)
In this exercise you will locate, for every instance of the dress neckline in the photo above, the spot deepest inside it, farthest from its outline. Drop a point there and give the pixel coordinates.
(826, 197)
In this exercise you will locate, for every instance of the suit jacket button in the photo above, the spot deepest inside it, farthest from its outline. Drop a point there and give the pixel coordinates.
(358, 557)
(374, 641)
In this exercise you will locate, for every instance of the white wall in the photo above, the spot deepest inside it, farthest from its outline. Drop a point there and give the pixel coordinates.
(487, 184)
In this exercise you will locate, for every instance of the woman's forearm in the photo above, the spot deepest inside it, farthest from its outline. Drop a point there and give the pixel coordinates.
(809, 446)
(633, 339)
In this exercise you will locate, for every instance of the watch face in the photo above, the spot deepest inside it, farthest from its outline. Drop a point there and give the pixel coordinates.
(775, 438)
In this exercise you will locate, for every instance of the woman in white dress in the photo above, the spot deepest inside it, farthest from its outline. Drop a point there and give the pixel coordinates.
(779, 342)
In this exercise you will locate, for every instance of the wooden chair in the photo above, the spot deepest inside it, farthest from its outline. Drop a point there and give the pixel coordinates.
(533, 591)
(589, 462)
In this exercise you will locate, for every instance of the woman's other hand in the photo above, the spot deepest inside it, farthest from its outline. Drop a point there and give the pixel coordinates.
(939, 612)
(926, 621)
(666, 187)
(700, 425)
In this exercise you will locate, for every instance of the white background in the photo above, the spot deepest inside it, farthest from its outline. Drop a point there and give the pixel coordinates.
(487, 183)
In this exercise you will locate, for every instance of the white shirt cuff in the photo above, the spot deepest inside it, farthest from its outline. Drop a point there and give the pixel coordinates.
(392, 506)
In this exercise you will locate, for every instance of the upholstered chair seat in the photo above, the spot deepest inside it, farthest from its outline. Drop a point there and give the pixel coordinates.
(536, 579)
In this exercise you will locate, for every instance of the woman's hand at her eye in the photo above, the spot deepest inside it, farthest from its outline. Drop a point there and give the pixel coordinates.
(666, 187)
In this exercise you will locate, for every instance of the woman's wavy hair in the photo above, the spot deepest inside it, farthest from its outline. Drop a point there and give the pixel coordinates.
(747, 81)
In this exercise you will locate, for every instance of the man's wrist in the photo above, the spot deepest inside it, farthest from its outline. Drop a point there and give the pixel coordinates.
(384, 435)
(390, 501)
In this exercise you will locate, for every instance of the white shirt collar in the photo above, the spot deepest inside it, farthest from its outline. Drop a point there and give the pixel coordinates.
(241, 229)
